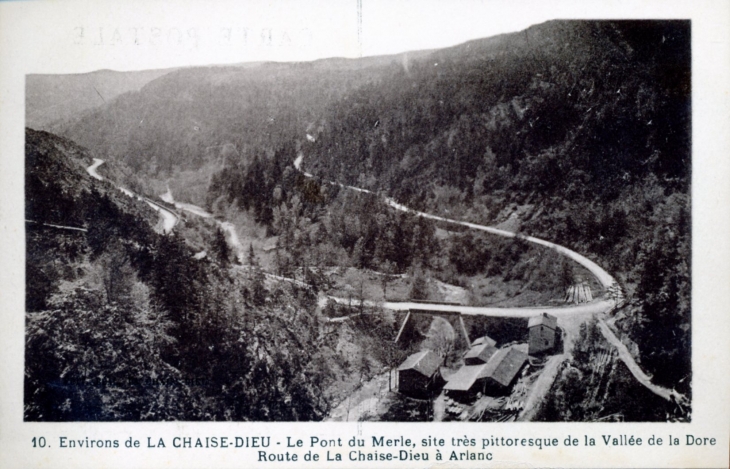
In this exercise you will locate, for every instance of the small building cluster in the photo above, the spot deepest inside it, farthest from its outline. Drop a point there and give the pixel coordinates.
(486, 369)
(495, 375)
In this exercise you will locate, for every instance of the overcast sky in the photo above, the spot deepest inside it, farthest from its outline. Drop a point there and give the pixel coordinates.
(72, 36)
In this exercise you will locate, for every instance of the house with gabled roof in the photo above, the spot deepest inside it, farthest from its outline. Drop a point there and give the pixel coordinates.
(543, 329)
(419, 373)
(503, 368)
(481, 351)
(494, 377)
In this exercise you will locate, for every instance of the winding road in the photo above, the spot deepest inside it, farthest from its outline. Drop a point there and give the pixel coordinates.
(226, 226)
(606, 280)
(599, 306)
(168, 219)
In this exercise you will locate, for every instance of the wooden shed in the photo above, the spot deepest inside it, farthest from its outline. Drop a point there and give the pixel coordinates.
(419, 373)
(502, 370)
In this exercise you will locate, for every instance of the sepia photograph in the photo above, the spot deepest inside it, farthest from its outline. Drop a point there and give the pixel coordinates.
(495, 231)
(364, 234)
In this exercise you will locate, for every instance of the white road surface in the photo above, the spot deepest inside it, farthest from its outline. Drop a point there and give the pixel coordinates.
(595, 307)
(168, 219)
(227, 227)
(60, 227)
(92, 169)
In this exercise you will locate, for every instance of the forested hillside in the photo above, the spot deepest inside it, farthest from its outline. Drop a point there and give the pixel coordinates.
(51, 98)
(580, 128)
(125, 323)
(573, 131)
(188, 117)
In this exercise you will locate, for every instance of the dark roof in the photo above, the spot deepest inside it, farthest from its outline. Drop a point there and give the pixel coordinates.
(504, 365)
(425, 362)
(479, 353)
(544, 319)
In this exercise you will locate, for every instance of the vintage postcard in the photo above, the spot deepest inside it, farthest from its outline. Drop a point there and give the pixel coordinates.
(357, 234)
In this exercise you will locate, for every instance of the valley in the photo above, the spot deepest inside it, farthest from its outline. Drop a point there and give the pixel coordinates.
(325, 244)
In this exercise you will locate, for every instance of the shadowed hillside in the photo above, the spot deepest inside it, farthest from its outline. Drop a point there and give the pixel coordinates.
(126, 324)
(50, 98)
(577, 132)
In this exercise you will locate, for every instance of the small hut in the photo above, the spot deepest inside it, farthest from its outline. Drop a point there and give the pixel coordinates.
(502, 370)
(419, 373)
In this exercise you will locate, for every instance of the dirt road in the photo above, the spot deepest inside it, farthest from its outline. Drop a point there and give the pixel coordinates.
(168, 220)
(541, 387)
(595, 308)
(92, 169)
(60, 227)
(635, 369)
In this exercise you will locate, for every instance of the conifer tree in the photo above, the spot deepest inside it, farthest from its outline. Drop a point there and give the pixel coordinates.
(256, 278)
(221, 248)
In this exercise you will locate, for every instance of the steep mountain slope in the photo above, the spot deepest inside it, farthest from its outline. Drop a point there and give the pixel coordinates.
(50, 98)
(578, 129)
(125, 323)
(556, 107)
(573, 131)
(191, 116)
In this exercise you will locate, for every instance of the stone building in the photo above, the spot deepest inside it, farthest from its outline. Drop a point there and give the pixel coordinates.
(543, 330)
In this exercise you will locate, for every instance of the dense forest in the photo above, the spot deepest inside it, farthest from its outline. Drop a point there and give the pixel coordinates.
(573, 131)
(583, 125)
(317, 223)
(125, 323)
(190, 116)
